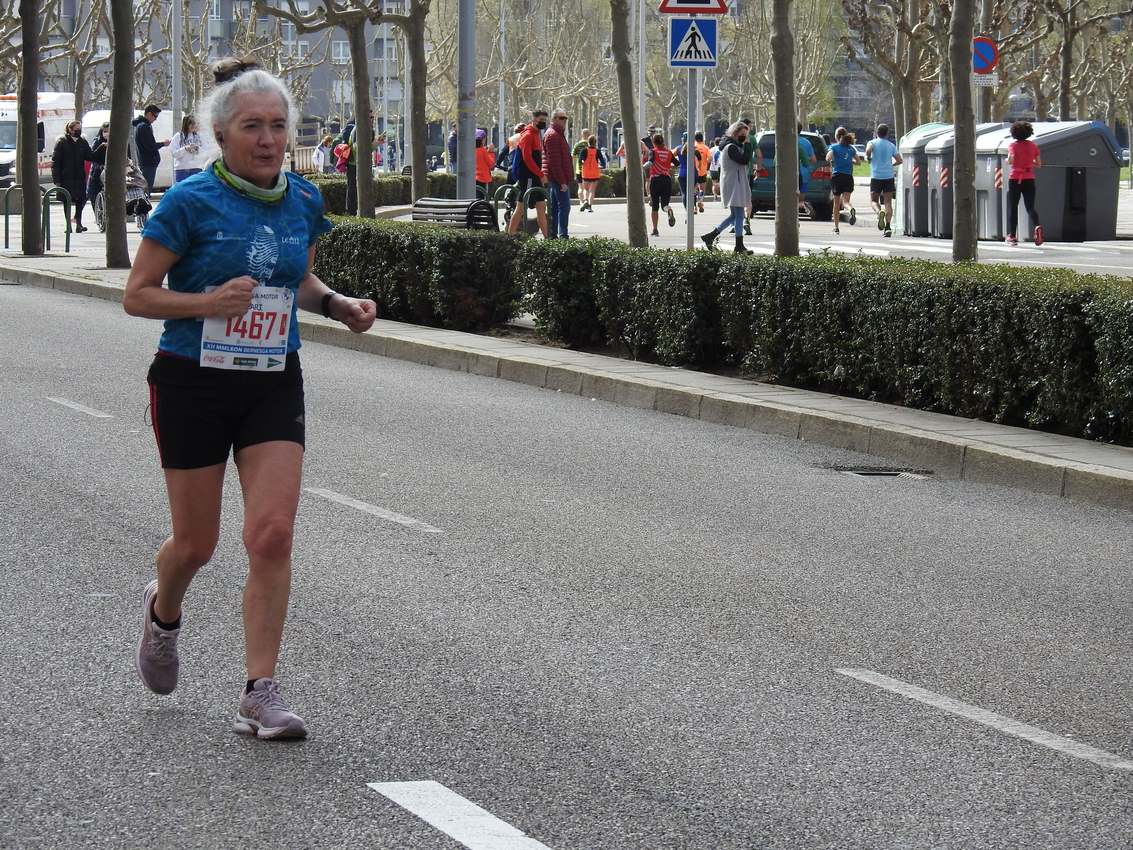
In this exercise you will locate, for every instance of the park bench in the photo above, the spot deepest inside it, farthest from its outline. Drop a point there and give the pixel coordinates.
(471, 215)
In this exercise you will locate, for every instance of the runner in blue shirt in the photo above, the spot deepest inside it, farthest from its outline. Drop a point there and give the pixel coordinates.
(237, 245)
(807, 160)
(843, 157)
(882, 155)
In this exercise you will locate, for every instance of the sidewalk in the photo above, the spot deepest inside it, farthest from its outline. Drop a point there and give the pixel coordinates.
(948, 446)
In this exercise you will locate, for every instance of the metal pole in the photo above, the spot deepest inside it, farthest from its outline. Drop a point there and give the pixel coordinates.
(178, 13)
(466, 104)
(503, 61)
(690, 164)
(641, 128)
(385, 93)
(406, 94)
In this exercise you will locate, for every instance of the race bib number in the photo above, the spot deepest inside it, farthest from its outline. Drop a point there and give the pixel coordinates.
(256, 341)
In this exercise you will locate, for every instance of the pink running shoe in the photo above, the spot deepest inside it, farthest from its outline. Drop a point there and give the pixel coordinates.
(1012, 241)
(1038, 235)
(263, 713)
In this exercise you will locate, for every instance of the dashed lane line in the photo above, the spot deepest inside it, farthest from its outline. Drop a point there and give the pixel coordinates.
(458, 818)
(989, 718)
(373, 510)
(82, 408)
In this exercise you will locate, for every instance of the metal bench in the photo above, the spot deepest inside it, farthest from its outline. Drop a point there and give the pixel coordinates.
(471, 215)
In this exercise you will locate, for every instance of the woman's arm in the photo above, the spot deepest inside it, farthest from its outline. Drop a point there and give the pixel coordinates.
(146, 297)
(358, 314)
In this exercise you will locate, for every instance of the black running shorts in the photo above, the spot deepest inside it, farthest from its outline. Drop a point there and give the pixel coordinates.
(660, 191)
(842, 183)
(876, 186)
(528, 181)
(199, 414)
(701, 179)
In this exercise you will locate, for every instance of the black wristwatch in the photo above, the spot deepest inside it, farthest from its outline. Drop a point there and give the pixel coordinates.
(326, 302)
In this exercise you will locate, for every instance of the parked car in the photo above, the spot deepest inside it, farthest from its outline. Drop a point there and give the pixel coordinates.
(861, 150)
(1125, 156)
(818, 190)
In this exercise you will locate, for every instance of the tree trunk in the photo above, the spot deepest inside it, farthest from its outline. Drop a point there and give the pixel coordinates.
(964, 246)
(418, 129)
(786, 132)
(944, 109)
(121, 107)
(1065, 67)
(364, 126)
(635, 184)
(80, 90)
(31, 237)
(898, 95)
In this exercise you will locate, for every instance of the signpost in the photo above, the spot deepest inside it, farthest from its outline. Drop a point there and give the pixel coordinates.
(693, 45)
(985, 59)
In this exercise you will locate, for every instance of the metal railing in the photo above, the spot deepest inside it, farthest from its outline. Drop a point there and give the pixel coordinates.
(45, 215)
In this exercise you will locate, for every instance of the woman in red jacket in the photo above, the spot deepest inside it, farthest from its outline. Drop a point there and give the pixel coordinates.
(660, 162)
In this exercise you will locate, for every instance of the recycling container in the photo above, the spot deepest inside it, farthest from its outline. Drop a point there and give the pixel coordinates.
(940, 151)
(1076, 189)
(991, 184)
(912, 202)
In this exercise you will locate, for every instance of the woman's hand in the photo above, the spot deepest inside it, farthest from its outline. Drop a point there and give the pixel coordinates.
(233, 298)
(358, 314)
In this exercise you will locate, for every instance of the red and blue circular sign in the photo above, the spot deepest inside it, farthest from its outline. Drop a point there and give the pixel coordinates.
(985, 55)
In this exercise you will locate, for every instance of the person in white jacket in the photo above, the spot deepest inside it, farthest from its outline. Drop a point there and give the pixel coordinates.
(188, 151)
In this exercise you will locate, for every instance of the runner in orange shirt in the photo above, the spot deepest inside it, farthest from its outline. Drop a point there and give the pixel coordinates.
(702, 159)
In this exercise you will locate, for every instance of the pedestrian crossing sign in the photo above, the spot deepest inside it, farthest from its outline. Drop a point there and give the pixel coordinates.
(692, 42)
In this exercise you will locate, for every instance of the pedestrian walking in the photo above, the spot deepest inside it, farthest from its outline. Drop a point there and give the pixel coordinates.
(687, 158)
(591, 162)
(485, 160)
(753, 161)
(189, 156)
(558, 169)
(69, 169)
(98, 164)
(323, 156)
(527, 171)
(714, 164)
(735, 190)
(237, 247)
(1023, 156)
(660, 161)
(882, 155)
(148, 148)
(450, 149)
(843, 158)
(703, 154)
(576, 155)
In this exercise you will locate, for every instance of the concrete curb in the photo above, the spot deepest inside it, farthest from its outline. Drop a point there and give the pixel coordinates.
(948, 456)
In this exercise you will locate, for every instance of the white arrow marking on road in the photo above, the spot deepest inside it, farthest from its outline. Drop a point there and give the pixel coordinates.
(82, 408)
(456, 817)
(871, 252)
(988, 718)
(373, 510)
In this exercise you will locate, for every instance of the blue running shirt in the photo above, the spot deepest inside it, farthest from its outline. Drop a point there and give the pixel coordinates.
(220, 234)
(806, 151)
(843, 158)
(881, 162)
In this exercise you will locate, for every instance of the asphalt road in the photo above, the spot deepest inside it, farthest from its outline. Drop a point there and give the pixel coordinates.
(626, 634)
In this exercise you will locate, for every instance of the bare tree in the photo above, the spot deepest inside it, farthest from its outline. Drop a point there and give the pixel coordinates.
(635, 184)
(964, 247)
(31, 237)
(786, 132)
(121, 107)
(86, 46)
(1072, 19)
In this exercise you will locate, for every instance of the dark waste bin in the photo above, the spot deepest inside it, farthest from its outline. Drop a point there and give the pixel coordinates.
(1076, 189)
(991, 184)
(912, 191)
(940, 151)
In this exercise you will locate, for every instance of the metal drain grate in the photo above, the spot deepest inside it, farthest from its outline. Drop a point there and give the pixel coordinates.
(884, 472)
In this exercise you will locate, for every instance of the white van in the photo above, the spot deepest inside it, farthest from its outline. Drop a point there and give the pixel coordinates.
(53, 111)
(162, 130)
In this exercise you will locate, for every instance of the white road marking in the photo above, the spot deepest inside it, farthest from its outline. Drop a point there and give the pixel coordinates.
(456, 817)
(373, 510)
(1085, 266)
(871, 252)
(1116, 245)
(903, 245)
(988, 718)
(82, 408)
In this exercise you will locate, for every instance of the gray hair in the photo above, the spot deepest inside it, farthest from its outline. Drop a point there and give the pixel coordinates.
(219, 107)
(735, 128)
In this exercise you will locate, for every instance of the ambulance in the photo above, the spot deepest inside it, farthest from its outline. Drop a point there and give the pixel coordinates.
(162, 130)
(53, 111)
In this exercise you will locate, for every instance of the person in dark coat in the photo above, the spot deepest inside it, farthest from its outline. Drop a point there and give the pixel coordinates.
(149, 149)
(68, 168)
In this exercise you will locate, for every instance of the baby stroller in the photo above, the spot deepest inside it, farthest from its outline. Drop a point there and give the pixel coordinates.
(137, 200)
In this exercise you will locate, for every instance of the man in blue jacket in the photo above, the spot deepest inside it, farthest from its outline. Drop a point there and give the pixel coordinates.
(149, 149)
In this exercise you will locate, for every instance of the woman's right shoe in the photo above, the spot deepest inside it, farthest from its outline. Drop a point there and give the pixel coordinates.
(740, 249)
(1012, 241)
(1039, 235)
(709, 239)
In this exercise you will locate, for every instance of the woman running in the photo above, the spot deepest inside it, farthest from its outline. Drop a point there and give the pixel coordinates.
(590, 164)
(236, 244)
(1023, 157)
(843, 157)
(660, 160)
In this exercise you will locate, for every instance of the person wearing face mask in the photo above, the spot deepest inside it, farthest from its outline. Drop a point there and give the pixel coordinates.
(735, 190)
(68, 168)
(527, 170)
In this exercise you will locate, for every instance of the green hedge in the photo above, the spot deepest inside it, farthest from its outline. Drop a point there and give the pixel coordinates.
(459, 279)
(1043, 348)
